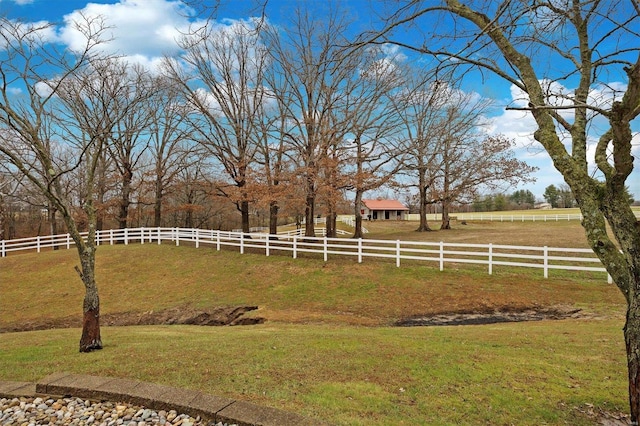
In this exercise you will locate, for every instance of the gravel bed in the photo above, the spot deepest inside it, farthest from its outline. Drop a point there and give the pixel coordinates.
(28, 411)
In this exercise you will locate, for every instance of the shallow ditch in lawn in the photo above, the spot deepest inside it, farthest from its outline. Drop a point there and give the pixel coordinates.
(480, 318)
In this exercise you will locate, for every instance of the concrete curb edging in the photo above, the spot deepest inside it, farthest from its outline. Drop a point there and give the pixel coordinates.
(156, 397)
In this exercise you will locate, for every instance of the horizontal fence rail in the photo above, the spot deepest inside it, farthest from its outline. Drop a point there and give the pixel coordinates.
(496, 217)
(295, 243)
(517, 217)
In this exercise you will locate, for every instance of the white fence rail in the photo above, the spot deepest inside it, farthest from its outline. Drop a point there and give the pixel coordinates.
(499, 217)
(517, 217)
(440, 253)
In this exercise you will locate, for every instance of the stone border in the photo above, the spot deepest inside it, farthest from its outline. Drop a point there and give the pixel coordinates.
(156, 397)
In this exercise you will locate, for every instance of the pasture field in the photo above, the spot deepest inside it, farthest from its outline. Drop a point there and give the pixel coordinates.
(329, 348)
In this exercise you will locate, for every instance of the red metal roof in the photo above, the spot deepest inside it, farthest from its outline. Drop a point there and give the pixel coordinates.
(384, 205)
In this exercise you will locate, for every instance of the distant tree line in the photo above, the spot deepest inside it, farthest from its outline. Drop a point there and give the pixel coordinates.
(250, 118)
(249, 127)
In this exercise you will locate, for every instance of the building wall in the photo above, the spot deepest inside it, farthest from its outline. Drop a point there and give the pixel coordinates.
(383, 214)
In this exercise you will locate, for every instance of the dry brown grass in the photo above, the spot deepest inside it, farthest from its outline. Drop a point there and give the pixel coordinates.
(552, 234)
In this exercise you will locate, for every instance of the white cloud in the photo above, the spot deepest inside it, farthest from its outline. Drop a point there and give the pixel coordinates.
(26, 32)
(141, 30)
(21, 2)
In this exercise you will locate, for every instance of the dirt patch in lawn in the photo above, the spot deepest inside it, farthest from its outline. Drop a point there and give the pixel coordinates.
(236, 315)
(216, 316)
(498, 316)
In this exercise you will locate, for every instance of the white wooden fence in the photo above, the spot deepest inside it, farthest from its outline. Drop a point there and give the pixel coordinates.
(517, 217)
(500, 217)
(295, 244)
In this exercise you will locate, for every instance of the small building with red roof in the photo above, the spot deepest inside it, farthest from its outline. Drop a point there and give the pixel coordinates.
(383, 210)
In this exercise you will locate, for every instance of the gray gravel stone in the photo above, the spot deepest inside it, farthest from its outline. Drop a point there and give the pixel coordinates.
(78, 412)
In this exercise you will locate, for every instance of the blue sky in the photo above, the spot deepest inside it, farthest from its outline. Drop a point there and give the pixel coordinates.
(146, 29)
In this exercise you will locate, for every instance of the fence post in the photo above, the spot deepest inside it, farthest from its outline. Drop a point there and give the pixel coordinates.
(490, 259)
(266, 245)
(359, 250)
(546, 262)
(397, 253)
(2, 248)
(242, 243)
(68, 241)
(218, 240)
(177, 236)
(159, 240)
(142, 235)
(295, 246)
(126, 236)
(325, 248)
(609, 279)
(38, 243)
(441, 256)
(110, 236)
(197, 238)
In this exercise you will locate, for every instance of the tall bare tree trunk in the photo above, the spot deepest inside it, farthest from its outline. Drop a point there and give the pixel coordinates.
(157, 204)
(125, 199)
(53, 224)
(244, 213)
(424, 226)
(309, 210)
(631, 333)
(90, 339)
(273, 218)
(446, 220)
(357, 233)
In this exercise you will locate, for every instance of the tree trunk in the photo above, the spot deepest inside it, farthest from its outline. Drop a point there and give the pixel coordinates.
(631, 333)
(357, 233)
(157, 205)
(309, 211)
(424, 226)
(125, 200)
(273, 218)
(244, 213)
(330, 225)
(53, 224)
(446, 222)
(90, 339)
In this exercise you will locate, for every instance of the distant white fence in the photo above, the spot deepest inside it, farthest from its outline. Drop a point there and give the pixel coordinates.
(492, 255)
(497, 217)
(517, 217)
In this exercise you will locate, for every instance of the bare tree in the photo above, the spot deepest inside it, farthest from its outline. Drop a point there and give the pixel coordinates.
(421, 106)
(310, 55)
(130, 137)
(226, 91)
(30, 146)
(586, 44)
(272, 157)
(375, 153)
(466, 160)
(169, 147)
(470, 163)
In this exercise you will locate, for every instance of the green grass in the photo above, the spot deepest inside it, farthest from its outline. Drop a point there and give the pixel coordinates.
(327, 349)
(534, 373)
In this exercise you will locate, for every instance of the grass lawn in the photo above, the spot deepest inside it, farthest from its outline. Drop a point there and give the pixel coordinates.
(328, 348)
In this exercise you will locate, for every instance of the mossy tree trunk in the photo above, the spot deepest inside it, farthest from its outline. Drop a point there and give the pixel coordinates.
(601, 201)
(597, 45)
